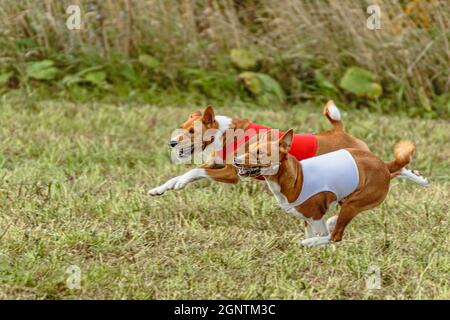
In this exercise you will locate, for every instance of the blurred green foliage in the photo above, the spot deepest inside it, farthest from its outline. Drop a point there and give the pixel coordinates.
(361, 83)
(241, 75)
(267, 53)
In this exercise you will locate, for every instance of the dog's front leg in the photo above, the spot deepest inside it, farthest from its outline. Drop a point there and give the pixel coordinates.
(316, 241)
(317, 234)
(308, 230)
(179, 182)
(225, 174)
(319, 227)
(331, 224)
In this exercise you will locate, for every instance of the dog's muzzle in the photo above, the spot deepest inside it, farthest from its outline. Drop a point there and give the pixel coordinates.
(182, 150)
(246, 171)
(185, 151)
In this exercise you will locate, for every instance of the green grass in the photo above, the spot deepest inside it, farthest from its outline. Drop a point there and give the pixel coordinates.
(73, 191)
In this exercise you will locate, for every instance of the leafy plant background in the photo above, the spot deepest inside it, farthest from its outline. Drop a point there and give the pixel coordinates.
(262, 52)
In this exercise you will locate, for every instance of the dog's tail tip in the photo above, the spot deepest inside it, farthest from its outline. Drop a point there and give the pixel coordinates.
(331, 111)
(403, 152)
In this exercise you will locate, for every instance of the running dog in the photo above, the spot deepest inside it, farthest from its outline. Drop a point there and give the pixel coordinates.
(219, 166)
(355, 178)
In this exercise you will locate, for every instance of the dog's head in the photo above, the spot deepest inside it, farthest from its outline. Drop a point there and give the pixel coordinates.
(264, 156)
(194, 131)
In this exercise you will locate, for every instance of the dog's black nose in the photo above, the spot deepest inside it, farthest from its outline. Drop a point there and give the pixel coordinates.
(173, 143)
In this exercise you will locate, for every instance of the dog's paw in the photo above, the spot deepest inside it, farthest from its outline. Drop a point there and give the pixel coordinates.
(315, 241)
(156, 191)
(421, 179)
(163, 188)
(415, 176)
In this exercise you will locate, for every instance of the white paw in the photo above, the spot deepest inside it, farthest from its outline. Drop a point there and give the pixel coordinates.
(414, 176)
(163, 188)
(156, 191)
(316, 241)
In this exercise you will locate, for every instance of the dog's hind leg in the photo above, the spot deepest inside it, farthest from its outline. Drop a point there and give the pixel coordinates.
(346, 215)
(414, 176)
(366, 198)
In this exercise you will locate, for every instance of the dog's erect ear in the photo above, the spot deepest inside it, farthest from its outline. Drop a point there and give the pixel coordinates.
(286, 141)
(196, 114)
(208, 115)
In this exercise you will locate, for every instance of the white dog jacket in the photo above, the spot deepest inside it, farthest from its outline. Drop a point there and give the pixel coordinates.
(335, 172)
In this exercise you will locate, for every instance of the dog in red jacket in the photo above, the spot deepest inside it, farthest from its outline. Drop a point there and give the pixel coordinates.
(219, 165)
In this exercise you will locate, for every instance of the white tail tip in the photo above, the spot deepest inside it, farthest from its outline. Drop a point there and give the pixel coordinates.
(333, 111)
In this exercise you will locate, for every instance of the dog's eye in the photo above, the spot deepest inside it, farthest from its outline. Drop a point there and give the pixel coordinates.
(191, 130)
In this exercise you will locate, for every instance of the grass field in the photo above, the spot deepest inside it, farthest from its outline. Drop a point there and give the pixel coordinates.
(73, 192)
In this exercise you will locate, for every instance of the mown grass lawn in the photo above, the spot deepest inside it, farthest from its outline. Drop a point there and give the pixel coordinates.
(73, 192)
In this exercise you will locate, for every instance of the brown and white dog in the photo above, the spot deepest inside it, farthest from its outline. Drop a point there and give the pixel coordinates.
(359, 181)
(327, 141)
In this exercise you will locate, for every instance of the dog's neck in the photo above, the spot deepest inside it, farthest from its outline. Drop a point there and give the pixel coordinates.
(289, 178)
(224, 123)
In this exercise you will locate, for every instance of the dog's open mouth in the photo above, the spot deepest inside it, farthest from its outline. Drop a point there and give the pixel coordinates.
(185, 151)
(249, 172)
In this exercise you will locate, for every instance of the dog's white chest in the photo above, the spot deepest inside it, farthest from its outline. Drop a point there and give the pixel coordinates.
(282, 200)
(334, 172)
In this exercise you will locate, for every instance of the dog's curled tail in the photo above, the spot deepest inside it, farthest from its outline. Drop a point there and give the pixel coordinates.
(403, 152)
(333, 114)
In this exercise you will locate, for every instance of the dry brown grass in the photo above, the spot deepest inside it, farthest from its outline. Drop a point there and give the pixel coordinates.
(411, 52)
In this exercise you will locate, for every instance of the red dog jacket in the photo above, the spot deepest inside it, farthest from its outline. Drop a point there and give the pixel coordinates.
(303, 146)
